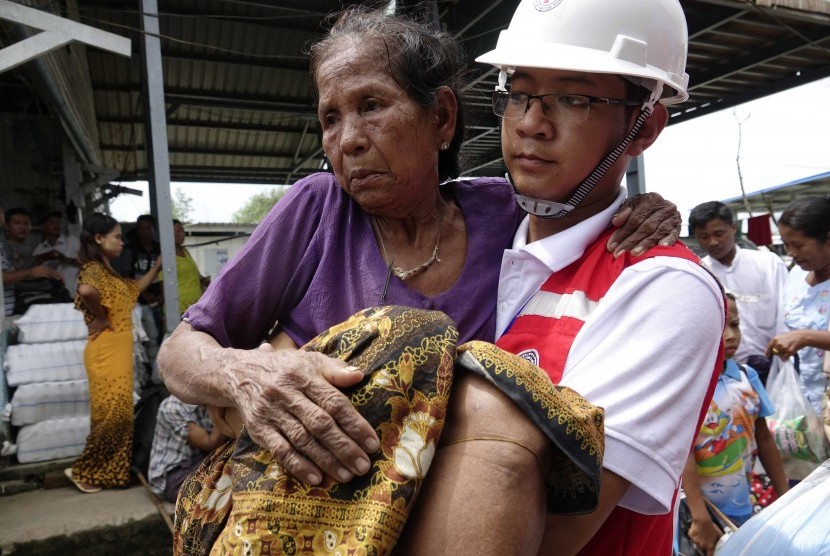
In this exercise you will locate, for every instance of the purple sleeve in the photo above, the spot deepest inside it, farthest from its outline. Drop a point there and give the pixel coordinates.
(270, 274)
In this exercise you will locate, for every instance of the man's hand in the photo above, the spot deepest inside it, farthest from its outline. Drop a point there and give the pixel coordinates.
(644, 221)
(291, 405)
(44, 271)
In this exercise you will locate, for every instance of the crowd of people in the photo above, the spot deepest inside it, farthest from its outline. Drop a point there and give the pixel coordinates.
(391, 235)
(105, 274)
(426, 346)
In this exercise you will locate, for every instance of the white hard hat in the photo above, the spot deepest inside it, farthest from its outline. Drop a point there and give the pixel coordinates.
(645, 41)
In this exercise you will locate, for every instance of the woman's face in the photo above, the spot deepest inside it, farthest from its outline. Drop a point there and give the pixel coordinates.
(111, 244)
(807, 252)
(382, 145)
(178, 234)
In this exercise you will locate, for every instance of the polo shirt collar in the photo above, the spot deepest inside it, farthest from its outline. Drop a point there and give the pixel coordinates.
(563, 248)
(732, 370)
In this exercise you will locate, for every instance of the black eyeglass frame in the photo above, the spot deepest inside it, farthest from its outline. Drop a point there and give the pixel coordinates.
(501, 98)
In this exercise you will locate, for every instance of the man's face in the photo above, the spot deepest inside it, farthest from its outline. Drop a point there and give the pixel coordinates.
(717, 238)
(52, 226)
(146, 231)
(18, 228)
(549, 155)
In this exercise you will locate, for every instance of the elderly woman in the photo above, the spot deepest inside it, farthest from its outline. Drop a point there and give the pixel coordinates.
(390, 226)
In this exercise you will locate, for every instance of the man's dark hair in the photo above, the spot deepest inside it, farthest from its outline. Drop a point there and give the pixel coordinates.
(50, 214)
(146, 218)
(706, 212)
(15, 211)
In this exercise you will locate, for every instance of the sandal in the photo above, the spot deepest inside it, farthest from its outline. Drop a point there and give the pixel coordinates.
(83, 487)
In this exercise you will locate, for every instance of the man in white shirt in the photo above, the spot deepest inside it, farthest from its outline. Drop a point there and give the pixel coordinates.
(639, 334)
(756, 278)
(58, 250)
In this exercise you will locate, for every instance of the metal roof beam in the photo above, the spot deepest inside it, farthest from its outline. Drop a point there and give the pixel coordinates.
(775, 13)
(287, 63)
(55, 32)
(178, 122)
(288, 155)
(713, 19)
(220, 99)
(758, 56)
(684, 113)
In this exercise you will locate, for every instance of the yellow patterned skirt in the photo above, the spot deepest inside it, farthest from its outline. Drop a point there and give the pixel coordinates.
(241, 501)
(105, 461)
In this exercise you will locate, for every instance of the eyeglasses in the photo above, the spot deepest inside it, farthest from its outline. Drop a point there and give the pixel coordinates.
(561, 108)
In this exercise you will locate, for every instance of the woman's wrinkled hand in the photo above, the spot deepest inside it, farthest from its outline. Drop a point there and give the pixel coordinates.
(98, 325)
(643, 221)
(290, 404)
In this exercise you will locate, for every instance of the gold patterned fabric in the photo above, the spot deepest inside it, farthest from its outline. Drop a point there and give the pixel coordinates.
(118, 295)
(241, 501)
(573, 425)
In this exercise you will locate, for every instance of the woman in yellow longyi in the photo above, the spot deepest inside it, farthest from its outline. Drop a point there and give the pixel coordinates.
(106, 300)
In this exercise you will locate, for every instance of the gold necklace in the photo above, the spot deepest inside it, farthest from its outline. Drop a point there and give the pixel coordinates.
(398, 271)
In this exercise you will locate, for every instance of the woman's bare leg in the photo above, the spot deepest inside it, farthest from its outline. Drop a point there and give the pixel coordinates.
(485, 491)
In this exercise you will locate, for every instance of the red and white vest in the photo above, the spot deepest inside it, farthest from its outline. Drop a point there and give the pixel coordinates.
(544, 332)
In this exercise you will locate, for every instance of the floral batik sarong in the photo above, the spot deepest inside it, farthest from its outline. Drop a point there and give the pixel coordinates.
(241, 501)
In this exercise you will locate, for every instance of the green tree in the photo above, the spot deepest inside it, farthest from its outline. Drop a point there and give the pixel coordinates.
(182, 205)
(258, 206)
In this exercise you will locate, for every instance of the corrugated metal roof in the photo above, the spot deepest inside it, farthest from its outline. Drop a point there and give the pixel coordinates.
(240, 106)
(775, 199)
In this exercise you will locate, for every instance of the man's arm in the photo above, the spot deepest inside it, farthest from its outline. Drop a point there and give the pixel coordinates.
(567, 534)
(647, 356)
(11, 277)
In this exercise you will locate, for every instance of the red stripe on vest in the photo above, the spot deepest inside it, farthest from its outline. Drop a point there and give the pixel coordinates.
(593, 274)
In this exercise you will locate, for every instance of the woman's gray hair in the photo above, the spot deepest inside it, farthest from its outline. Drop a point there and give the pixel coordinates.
(420, 59)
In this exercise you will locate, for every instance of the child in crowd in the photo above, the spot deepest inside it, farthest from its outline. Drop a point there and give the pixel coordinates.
(184, 436)
(733, 433)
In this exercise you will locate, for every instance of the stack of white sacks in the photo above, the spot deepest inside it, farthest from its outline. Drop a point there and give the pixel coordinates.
(51, 401)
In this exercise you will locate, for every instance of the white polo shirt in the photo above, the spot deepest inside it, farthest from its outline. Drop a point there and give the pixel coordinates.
(68, 247)
(645, 354)
(757, 279)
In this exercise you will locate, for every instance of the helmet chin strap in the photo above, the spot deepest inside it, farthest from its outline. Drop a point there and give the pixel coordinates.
(552, 210)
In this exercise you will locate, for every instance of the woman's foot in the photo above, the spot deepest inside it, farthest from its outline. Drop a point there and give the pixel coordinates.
(82, 486)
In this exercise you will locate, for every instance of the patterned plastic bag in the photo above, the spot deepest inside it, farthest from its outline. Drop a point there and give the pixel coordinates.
(794, 425)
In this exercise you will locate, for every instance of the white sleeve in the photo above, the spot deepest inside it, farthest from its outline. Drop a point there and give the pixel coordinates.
(779, 281)
(646, 355)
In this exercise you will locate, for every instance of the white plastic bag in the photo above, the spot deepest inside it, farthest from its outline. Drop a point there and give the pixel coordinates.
(794, 425)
